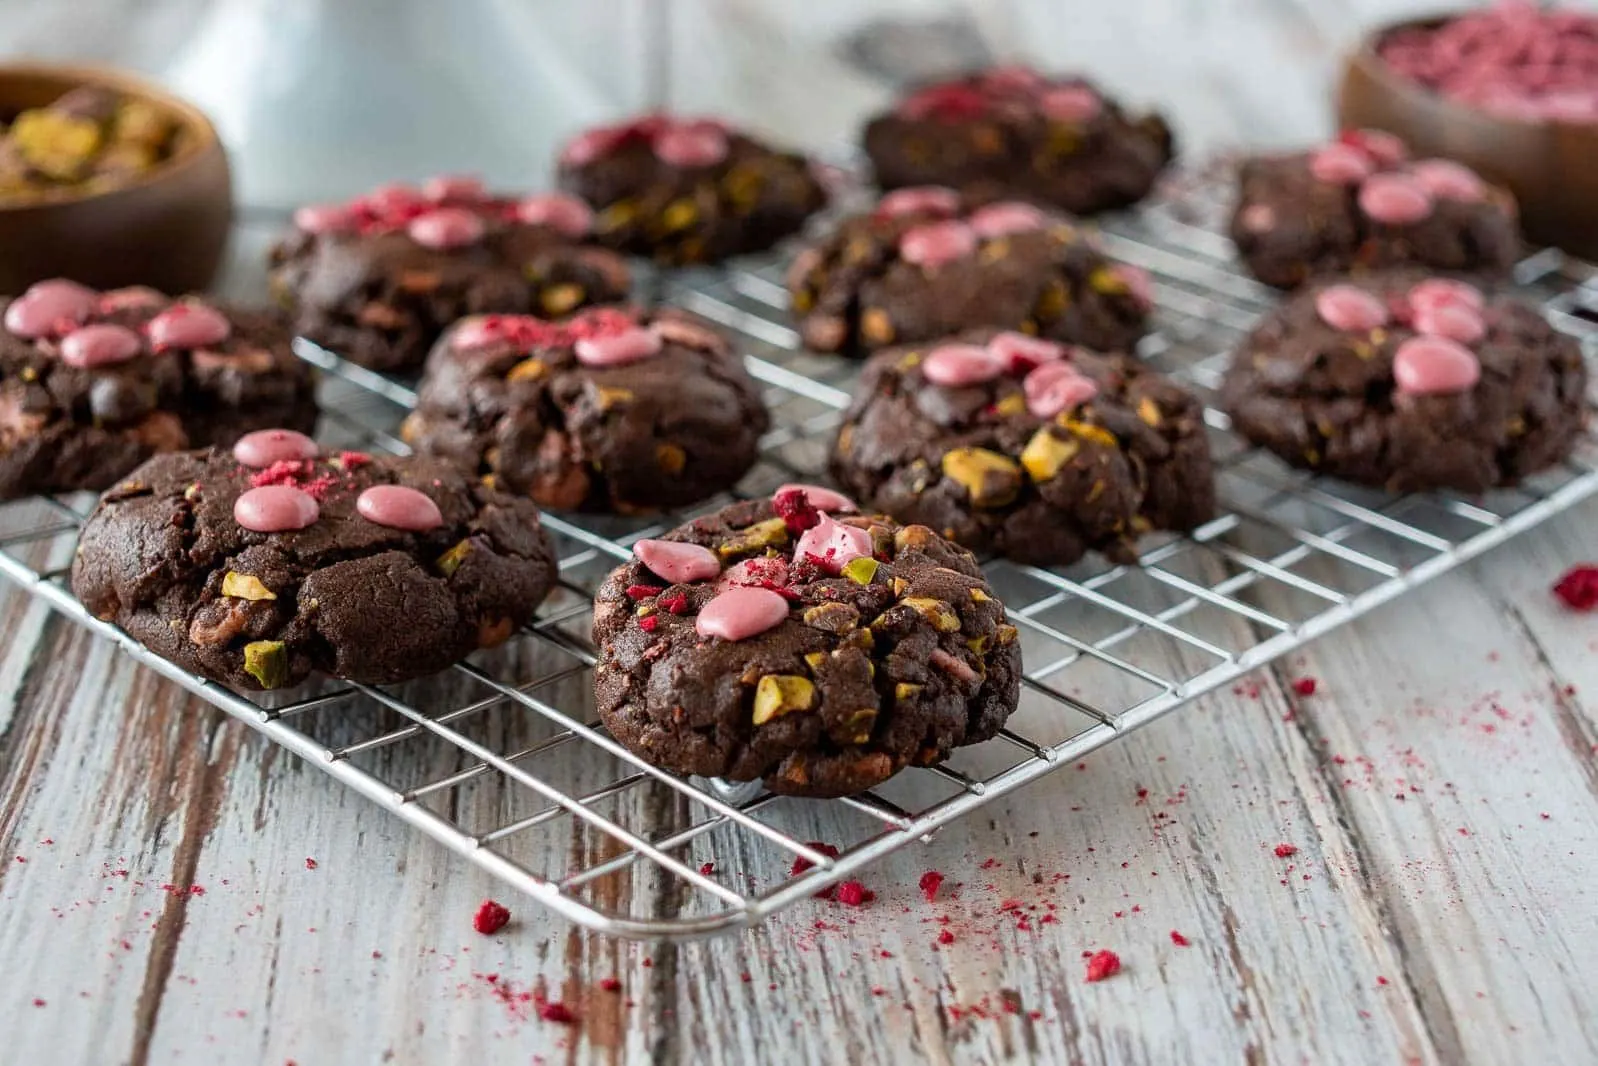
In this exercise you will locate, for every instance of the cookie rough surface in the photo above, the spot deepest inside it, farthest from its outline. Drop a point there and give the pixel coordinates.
(893, 662)
(164, 557)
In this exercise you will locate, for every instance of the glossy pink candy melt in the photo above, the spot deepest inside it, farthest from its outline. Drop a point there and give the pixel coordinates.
(1447, 180)
(264, 447)
(1057, 387)
(936, 243)
(831, 544)
(614, 349)
(446, 227)
(323, 218)
(695, 144)
(399, 507)
(47, 307)
(741, 613)
(1070, 103)
(1350, 308)
(275, 509)
(486, 331)
(455, 187)
(677, 562)
(100, 344)
(1137, 281)
(956, 366)
(1338, 164)
(1444, 292)
(1394, 199)
(130, 298)
(1005, 218)
(1454, 321)
(1019, 353)
(820, 497)
(564, 214)
(920, 199)
(187, 325)
(1385, 148)
(1428, 365)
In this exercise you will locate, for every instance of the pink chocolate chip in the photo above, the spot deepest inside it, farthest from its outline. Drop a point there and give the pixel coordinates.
(1056, 387)
(1394, 199)
(399, 507)
(920, 200)
(187, 325)
(1379, 145)
(99, 345)
(1013, 78)
(396, 197)
(324, 218)
(592, 144)
(1006, 217)
(1444, 292)
(1426, 365)
(1338, 164)
(1447, 180)
(696, 144)
(131, 298)
(47, 307)
(264, 447)
(1020, 353)
(741, 613)
(614, 349)
(677, 562)
(831, 544)
(1070, 103)
(446, 227)
(1137, 282)
(1350, 308)
(563, 214)
(1454, 321)
(275, 509)
(957, 365)
(820, 496)
(454, 187)
(936, 243)
(1257, 218)
(758, 573)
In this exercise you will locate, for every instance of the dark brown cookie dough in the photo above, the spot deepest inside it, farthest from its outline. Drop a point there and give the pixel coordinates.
(94, 383)
(1018, 447)
(685, 191)
(923, 265)
(1361, 204)
(1419, 384)
(815, 668)
(570, 415)
(376, 280)
(1012, 132)
(165, 557)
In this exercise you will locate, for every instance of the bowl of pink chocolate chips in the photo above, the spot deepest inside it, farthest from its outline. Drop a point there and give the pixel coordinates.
(1510, 90)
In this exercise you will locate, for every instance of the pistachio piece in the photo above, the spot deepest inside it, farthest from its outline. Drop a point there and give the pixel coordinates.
(910, 537)
(876, 327)
(1108, 281)
(1088, 431)
(192, 493)
(752, 538)
(561, 299)
(610, 397)
(1045, 453)
(978, 596)
(900, 586)
(1149, 411)
(267, 661)
(245, 587)
(779, 694)
(939, 613)
(453, 557)
(831, 617)
(904, 690)
(678, 215)
(861, 570)
(1011, 406)
(989, 479)
(860, 722)
(815, 660)
(862, 639)
(670, 458)
(978, 645)
(1052, 302)
(530, 369)
(1006, 634)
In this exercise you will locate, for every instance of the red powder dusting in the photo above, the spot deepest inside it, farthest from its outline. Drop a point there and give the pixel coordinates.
(1103, 964)
(643, 592)
(854, 894)
(1305, 686)
(490, 918)
(648, 623)
(310, 864)
(353, 460)
(557, 1012)
(1285, 850)
(283, 472)
(1578, 588)
(796, 510)
(1179, 940)
(931, 881)
(945, 937)
(609, 984)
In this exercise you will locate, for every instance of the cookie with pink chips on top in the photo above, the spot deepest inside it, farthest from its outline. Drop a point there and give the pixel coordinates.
(262, 564)
(610, 410)
(925, 264)
(94, 383)
(801, 643)
(1409, 382)
(1026, 448)
(688, 190)
(1013, 133)
(378, 278)
(1362, 203)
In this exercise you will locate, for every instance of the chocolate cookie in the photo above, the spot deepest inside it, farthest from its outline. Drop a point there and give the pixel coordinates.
(688, 190)
(377, 279)
(1024, 448)
(609, 411)
(1361, 203)
(795, 642)
(1012, 132)
(259, 566)
(1409, 383)
(923, 265)
(94, 383)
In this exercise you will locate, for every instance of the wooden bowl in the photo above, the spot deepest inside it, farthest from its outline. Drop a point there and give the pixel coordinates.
(1550, 166)
(169, 228)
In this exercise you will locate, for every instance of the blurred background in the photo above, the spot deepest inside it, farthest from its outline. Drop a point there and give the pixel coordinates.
(323, 98)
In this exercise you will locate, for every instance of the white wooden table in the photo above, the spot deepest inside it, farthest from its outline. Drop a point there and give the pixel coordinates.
(1440, 787)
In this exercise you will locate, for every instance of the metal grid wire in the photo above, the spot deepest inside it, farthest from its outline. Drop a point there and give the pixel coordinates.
(502, 758)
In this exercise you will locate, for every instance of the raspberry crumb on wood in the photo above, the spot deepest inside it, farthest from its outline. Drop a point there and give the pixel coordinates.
(1103, 964)
(490, 918)
(1578, 588)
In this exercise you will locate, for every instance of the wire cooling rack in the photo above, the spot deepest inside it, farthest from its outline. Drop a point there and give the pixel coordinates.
(502, 758)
